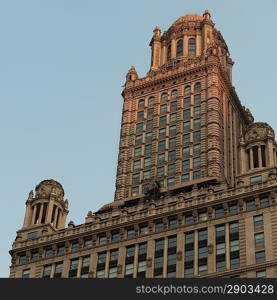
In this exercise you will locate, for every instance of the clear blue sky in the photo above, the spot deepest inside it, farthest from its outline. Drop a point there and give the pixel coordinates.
(62, 64)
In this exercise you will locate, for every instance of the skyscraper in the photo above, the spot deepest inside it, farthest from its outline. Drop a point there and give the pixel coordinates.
(196, 178)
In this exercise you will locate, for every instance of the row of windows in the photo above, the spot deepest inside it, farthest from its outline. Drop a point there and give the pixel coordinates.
(166, 157)
(172, 142)
(191, 48)
(165, 96)
(82, 264)
(170, 169)
(172, 106)
(163, 120)
(189, 219)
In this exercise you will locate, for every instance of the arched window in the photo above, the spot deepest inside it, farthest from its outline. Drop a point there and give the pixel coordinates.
(141, 103)
(151, 100)
(192, 46)
(174, 93)
(168, 52)
(197, 86)
(187, 90)
(179, 49)
(164, 97)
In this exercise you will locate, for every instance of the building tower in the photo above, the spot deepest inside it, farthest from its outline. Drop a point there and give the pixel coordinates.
(46, 211)
(196, 178)
(181, 123)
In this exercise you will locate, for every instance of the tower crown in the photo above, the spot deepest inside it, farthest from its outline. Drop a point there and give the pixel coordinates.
(46, 206)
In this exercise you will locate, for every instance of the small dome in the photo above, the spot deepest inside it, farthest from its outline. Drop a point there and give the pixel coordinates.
(189, 17)
(48, 187)
(258, 131)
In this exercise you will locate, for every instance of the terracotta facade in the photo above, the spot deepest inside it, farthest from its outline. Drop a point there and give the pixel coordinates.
(196, 179)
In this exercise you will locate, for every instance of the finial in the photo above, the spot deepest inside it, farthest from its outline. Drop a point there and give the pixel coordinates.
(31, 195)
(71, 224)
(206, 14)
(132, 74)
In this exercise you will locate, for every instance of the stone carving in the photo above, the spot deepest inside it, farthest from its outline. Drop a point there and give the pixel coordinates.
(179, 255)
(46, 188)
(71, 224)
(153, 191)
(210, 248)
(149, 262)
(259, 132)
(249, 115)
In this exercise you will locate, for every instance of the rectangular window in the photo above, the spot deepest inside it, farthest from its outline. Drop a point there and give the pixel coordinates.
(186, 114)
(129, 270)
(258, 221)
(197, 136)
(162, 132)
(186, 151)
(161, 145)
(87, 242)
(61, 250)
(73, 268)
(172, 142)
(135, 178)
(186, 138)
(185, 164)
(264, 201)
(148, 149)
(172, 130)
(185, 177)
(22, 259)
(75, 246)
(149, 124)
(170, 181)
(233, 208)
(32, 235)
(162, 121)
(103, 240)
(196, 149)
(203, 269)
(172, 223)
(196, 174)
(137, 151)
(150, 112)
(255, 179)
(173, 117)
(161, 157)
(134, 190)
(26, 273)
(159, 226)
(146, 175)
(259, 239)
(197, 111)
(202, 216)
(197, 99)
(149, 136)
(163, 108)
(171, 155)
(187, 101)
(160, 171)
(143, 229)
(115, 237)
(173, 105)
(139, 127)
(171, 169)
(34, 255)
(130, 233)
(196, 162)
(114, 255)
(250, 204)
(48, 252)
(46, 271)
(140, 115)
(137, 164)
(138, 139)
(260, 256)
(189, 219)
(219, 212)
(147, 162)
(261, 274)
(186, 126)
(196, 123)
(58, 270)
(113, 272)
